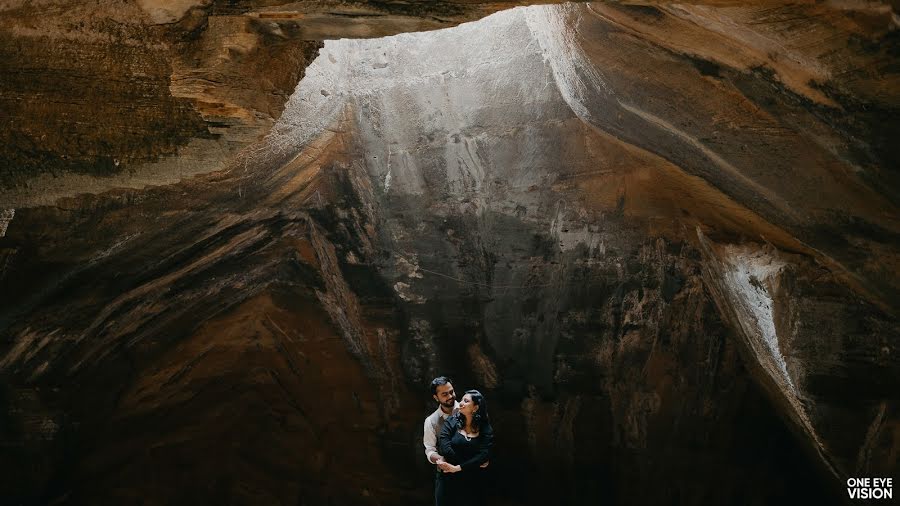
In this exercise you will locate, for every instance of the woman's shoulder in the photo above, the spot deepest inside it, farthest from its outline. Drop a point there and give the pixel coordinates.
(453, 420)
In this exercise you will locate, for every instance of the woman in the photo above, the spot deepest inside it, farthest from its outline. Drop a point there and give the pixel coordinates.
(465, 443)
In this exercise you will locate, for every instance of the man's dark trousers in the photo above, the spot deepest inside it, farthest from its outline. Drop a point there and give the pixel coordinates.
(438, 487)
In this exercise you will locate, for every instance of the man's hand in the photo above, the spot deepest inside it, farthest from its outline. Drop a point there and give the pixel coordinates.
(485, 464)
(445, 466)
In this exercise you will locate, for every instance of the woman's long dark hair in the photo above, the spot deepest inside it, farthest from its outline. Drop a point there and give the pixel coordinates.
(480, 417)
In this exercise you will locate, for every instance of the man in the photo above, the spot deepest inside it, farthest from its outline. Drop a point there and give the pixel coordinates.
(442, 392)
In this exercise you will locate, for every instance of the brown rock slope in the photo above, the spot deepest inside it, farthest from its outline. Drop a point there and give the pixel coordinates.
(104, 94)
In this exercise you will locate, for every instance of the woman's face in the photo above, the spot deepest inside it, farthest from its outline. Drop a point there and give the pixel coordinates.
(466, 406)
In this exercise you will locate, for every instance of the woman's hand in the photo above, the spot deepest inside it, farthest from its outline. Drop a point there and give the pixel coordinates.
(449, 468)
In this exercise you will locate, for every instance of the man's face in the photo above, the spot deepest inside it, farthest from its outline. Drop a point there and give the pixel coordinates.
(445, 395)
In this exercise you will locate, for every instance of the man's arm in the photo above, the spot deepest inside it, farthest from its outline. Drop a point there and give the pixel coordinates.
(429, 440)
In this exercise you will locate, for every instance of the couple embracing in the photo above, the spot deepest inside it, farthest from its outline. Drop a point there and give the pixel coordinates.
(458, 438)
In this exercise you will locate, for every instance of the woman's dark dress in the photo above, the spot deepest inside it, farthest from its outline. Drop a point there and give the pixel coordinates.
(469, 484)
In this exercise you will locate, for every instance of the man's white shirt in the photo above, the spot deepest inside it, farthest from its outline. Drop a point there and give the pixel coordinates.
(433, 425)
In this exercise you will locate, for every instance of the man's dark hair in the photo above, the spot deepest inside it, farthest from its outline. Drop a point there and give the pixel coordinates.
(436, 382)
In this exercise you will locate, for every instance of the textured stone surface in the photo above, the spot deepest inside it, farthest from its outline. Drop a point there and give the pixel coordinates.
(669, 262)
(110, 94)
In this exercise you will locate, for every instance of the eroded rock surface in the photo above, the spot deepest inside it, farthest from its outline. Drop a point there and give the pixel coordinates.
(109, 94)
(661, 239)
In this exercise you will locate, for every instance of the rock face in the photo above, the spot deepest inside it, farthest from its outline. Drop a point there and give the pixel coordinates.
(104, 94)
(662, 240)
